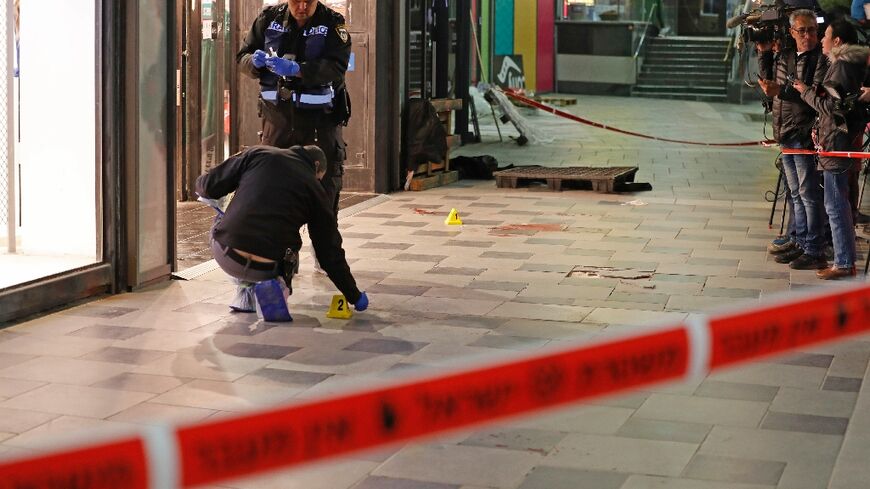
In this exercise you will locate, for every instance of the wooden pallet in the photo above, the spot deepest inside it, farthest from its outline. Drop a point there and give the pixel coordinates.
(435, 180)
(603, 179)
(556, 100)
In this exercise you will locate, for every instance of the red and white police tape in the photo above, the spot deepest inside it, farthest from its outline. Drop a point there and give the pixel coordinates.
(831, 154)
(285, 436)
(546, 108)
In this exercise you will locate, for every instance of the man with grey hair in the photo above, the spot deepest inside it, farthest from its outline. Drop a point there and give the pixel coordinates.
(792, 128)
(277, 191)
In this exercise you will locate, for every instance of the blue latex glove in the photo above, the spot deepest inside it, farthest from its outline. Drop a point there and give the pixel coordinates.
(282, 66)
(363, 303)
(259, 58)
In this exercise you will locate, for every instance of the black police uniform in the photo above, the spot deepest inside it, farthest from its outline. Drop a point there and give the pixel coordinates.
(312, 107)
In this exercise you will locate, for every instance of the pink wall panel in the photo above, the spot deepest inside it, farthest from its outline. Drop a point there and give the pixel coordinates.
(546, 51)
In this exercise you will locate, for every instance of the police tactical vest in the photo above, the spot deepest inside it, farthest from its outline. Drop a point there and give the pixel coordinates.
(272, 87)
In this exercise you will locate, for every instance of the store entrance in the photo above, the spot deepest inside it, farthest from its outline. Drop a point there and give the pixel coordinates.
(205, 74)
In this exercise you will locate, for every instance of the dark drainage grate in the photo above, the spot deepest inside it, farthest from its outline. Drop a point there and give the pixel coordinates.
(601, 179)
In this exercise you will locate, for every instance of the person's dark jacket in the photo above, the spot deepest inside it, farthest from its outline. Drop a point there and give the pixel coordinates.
(838, 129)
(276, 192)
(331, 64)
(792, 117)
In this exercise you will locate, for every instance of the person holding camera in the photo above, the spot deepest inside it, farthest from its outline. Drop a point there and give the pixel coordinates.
(792, 127)
(840, 127)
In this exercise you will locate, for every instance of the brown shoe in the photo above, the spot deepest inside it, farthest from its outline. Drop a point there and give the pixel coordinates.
(834, 273)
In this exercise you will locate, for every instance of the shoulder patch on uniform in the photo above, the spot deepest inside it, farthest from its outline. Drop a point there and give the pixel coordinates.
(341, 30)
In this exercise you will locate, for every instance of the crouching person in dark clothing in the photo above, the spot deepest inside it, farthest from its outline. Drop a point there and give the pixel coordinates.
(277, 191)
(839, 129)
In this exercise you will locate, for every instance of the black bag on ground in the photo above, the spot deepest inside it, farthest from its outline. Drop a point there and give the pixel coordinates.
(427, 138)
(474, 167)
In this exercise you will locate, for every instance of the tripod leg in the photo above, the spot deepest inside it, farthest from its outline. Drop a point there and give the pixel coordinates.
(785, 204)
(495, 119)
(775, 198)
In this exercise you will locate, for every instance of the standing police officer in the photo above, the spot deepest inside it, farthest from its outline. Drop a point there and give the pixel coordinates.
(299, 51)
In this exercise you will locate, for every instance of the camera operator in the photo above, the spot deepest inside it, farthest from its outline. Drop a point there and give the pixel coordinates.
(792, 126)
(839, 128)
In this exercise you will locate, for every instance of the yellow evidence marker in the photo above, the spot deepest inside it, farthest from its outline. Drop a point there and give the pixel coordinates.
(453, 218)
(339, 309)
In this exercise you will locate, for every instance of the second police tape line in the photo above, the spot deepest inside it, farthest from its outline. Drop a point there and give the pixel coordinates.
(285, 436)
(546, 108)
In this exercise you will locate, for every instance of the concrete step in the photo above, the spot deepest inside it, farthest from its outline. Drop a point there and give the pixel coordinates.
(659, 67)
(684, 60)
(682, 96)
(659, 54)
(670, 82)
(678, 75)
(681, 88)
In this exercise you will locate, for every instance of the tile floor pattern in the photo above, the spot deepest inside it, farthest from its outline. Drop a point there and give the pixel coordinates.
(443, 294)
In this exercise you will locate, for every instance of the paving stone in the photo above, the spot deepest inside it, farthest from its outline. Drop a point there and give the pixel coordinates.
(725, 412)
(730, 469)
(809, 457)
(550, 241)
(386, 346)
(254, 350)
(469, 244)
(664, 430)
(627, 455)
(806, 360)
(381, 245)
(99, 311)
(435, 233)
(543, 477)
(133, 382)
(418, 257)
(732, 293)
(805, 423)
(536, 441)
(506, 255)
(76, 401)
(462, 465)
(391, 483)
(471, 272)
(376, 215)
(508, 342)
(108, 332)
(406, 224)
(842, 384)
(737, 391)
(817, 402)
(128, 356)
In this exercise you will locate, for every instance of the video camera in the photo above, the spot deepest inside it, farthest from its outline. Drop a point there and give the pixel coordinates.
(769, 22)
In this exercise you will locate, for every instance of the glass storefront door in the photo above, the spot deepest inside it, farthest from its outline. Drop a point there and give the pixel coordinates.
(50, 164)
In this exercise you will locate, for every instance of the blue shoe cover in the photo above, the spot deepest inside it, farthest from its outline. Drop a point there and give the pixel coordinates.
(272, 301)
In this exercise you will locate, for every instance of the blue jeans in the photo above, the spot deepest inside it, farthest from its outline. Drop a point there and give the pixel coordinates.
(806, 198)
(839, 209)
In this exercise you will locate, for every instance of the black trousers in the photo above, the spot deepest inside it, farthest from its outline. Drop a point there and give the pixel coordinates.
(283, 126)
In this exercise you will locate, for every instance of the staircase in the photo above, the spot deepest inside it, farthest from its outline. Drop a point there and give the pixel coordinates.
(688, 68)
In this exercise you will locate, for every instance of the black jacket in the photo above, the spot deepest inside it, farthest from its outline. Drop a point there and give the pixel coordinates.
(276, 192)
(838, 129)
(792, 117)
(328, 67)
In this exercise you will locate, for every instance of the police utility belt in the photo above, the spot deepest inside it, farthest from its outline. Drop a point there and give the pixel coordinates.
(310, 98)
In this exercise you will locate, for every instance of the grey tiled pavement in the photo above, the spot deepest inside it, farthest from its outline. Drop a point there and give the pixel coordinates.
(442, 294)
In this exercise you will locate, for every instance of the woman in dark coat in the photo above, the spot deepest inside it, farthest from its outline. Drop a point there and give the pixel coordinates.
(839, 129)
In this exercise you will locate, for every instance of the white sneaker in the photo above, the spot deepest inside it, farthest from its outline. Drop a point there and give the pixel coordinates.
(317, 268)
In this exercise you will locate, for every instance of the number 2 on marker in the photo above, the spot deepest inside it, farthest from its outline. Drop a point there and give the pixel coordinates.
(341, 304)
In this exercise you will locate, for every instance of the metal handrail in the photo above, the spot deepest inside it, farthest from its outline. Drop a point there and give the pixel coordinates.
(746, 5)
(643, 36)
